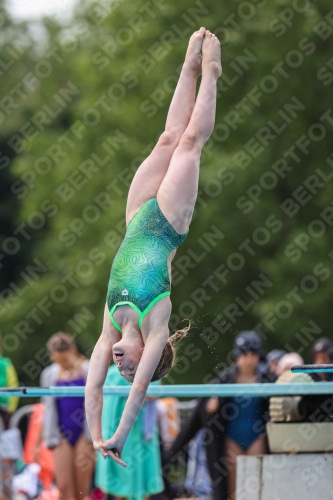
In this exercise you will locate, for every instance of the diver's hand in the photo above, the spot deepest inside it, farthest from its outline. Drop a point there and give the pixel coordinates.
(114, 448)
(98, 444)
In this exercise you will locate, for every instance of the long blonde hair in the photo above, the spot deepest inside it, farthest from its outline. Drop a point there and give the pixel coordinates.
(169, 354)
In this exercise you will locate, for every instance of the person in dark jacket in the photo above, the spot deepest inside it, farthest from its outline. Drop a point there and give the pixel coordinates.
(319, 407)
(322, 354)
(232, 425)
(273, 357)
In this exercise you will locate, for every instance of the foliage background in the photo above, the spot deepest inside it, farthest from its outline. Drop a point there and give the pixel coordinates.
(98, 54)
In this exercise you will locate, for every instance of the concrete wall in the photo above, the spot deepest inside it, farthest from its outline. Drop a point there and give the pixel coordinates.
(285, 477)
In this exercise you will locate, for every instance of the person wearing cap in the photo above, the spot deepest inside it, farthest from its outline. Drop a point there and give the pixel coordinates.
(273, 357)
(233, 426)
(309, 408)
(318, 407)
(287, 361)
(322, 354)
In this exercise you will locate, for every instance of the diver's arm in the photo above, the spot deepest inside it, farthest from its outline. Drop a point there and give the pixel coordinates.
(150, 358)
(98, 368)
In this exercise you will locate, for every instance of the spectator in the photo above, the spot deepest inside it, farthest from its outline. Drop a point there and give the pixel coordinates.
(285, 408)
(8, 378)
(273, 357)
(313, 408)
(319, 408)
(168, 420)
(322, 354)
(65, 429)
(198, 482)
(232, 426)
(287, 361)
(143, 476)
(35, 450)
(169, 426)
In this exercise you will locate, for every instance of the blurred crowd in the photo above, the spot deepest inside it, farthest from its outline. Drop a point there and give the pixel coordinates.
(176, 449)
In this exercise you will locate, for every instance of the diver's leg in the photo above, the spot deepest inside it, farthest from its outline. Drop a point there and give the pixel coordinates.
(151, 172)
(178, 191)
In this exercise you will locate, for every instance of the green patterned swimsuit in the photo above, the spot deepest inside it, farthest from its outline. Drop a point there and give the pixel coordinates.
(139, 274)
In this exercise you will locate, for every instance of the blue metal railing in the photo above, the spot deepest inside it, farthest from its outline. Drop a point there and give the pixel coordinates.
(195, 390)
(312, 368)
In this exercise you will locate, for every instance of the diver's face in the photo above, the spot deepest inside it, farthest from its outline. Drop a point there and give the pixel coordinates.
(127, 357)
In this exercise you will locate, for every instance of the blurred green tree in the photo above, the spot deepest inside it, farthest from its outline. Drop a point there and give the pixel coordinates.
(258, 252)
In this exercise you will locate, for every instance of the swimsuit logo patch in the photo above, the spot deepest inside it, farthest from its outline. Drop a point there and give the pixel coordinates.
(124, 292)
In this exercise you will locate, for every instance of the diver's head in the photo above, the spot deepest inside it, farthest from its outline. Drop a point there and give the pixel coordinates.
(127, 355)
(168, 355)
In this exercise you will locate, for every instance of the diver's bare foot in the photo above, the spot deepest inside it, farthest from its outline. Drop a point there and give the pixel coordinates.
(193, 57)
(211, 54)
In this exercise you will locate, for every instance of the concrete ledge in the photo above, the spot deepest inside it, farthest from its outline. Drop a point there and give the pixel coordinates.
(285, 477)
(297, 437)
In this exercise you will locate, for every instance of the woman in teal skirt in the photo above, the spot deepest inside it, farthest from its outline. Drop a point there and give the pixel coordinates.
(143, 476)
(159, 210)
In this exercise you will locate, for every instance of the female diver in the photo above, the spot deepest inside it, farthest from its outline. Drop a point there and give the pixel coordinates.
(159, 209)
